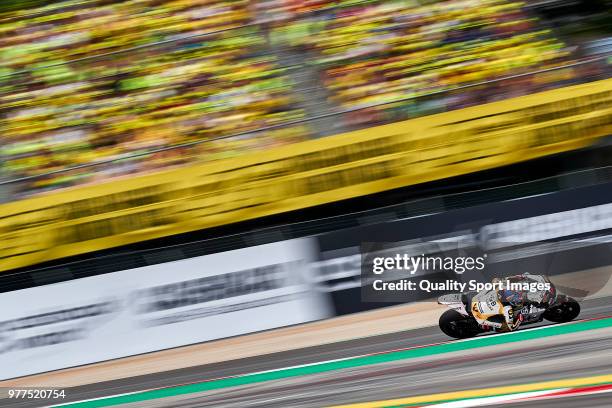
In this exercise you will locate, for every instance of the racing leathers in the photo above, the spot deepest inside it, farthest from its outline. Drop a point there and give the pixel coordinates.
(504, 310)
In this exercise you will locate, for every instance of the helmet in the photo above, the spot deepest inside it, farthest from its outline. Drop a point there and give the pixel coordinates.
(511, 296)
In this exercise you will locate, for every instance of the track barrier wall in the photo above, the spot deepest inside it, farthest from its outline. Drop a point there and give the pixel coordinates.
(303, 175)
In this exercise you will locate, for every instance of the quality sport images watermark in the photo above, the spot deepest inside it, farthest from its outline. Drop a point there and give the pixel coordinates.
(428, 286)
(415, 272)
(409, 272)
(457, 264)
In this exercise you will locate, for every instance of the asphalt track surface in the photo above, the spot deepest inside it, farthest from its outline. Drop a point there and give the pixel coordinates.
(585, 355)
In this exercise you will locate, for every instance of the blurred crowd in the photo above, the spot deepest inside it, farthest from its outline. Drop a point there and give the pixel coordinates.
(374, 53)
(58, 114)
(119, 82)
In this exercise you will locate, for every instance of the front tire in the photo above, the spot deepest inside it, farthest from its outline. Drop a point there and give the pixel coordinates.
(563, 312)
(454, 324)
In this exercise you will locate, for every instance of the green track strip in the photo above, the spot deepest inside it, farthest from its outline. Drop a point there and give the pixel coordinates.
(348, 363)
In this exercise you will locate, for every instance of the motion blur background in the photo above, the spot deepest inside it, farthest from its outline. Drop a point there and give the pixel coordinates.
(142, 139)
(108, 81)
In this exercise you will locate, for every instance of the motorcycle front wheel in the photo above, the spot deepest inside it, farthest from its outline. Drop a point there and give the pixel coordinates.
(563, 312)
(454, 324)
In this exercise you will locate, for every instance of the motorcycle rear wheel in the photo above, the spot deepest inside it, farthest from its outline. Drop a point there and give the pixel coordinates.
(454, 324)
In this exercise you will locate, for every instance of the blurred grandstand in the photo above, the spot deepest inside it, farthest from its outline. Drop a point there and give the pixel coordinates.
(91, 90)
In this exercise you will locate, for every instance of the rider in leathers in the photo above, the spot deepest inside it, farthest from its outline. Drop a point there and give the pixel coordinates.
(502, 310)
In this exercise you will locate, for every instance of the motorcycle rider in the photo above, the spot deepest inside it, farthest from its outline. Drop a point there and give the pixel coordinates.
(504, 310)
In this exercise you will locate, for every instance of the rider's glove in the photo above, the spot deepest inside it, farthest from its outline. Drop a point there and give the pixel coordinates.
(513, 320)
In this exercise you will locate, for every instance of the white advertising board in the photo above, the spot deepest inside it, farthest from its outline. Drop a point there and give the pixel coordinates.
(158, 307)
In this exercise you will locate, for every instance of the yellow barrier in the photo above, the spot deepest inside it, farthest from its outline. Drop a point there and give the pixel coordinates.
(303, 175)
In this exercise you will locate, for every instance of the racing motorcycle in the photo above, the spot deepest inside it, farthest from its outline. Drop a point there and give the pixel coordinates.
(469, 309)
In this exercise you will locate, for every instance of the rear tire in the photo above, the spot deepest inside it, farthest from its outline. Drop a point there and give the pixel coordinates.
(563, 312)
(454, 324)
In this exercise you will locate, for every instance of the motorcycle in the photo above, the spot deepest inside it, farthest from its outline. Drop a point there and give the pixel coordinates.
(459, 321)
